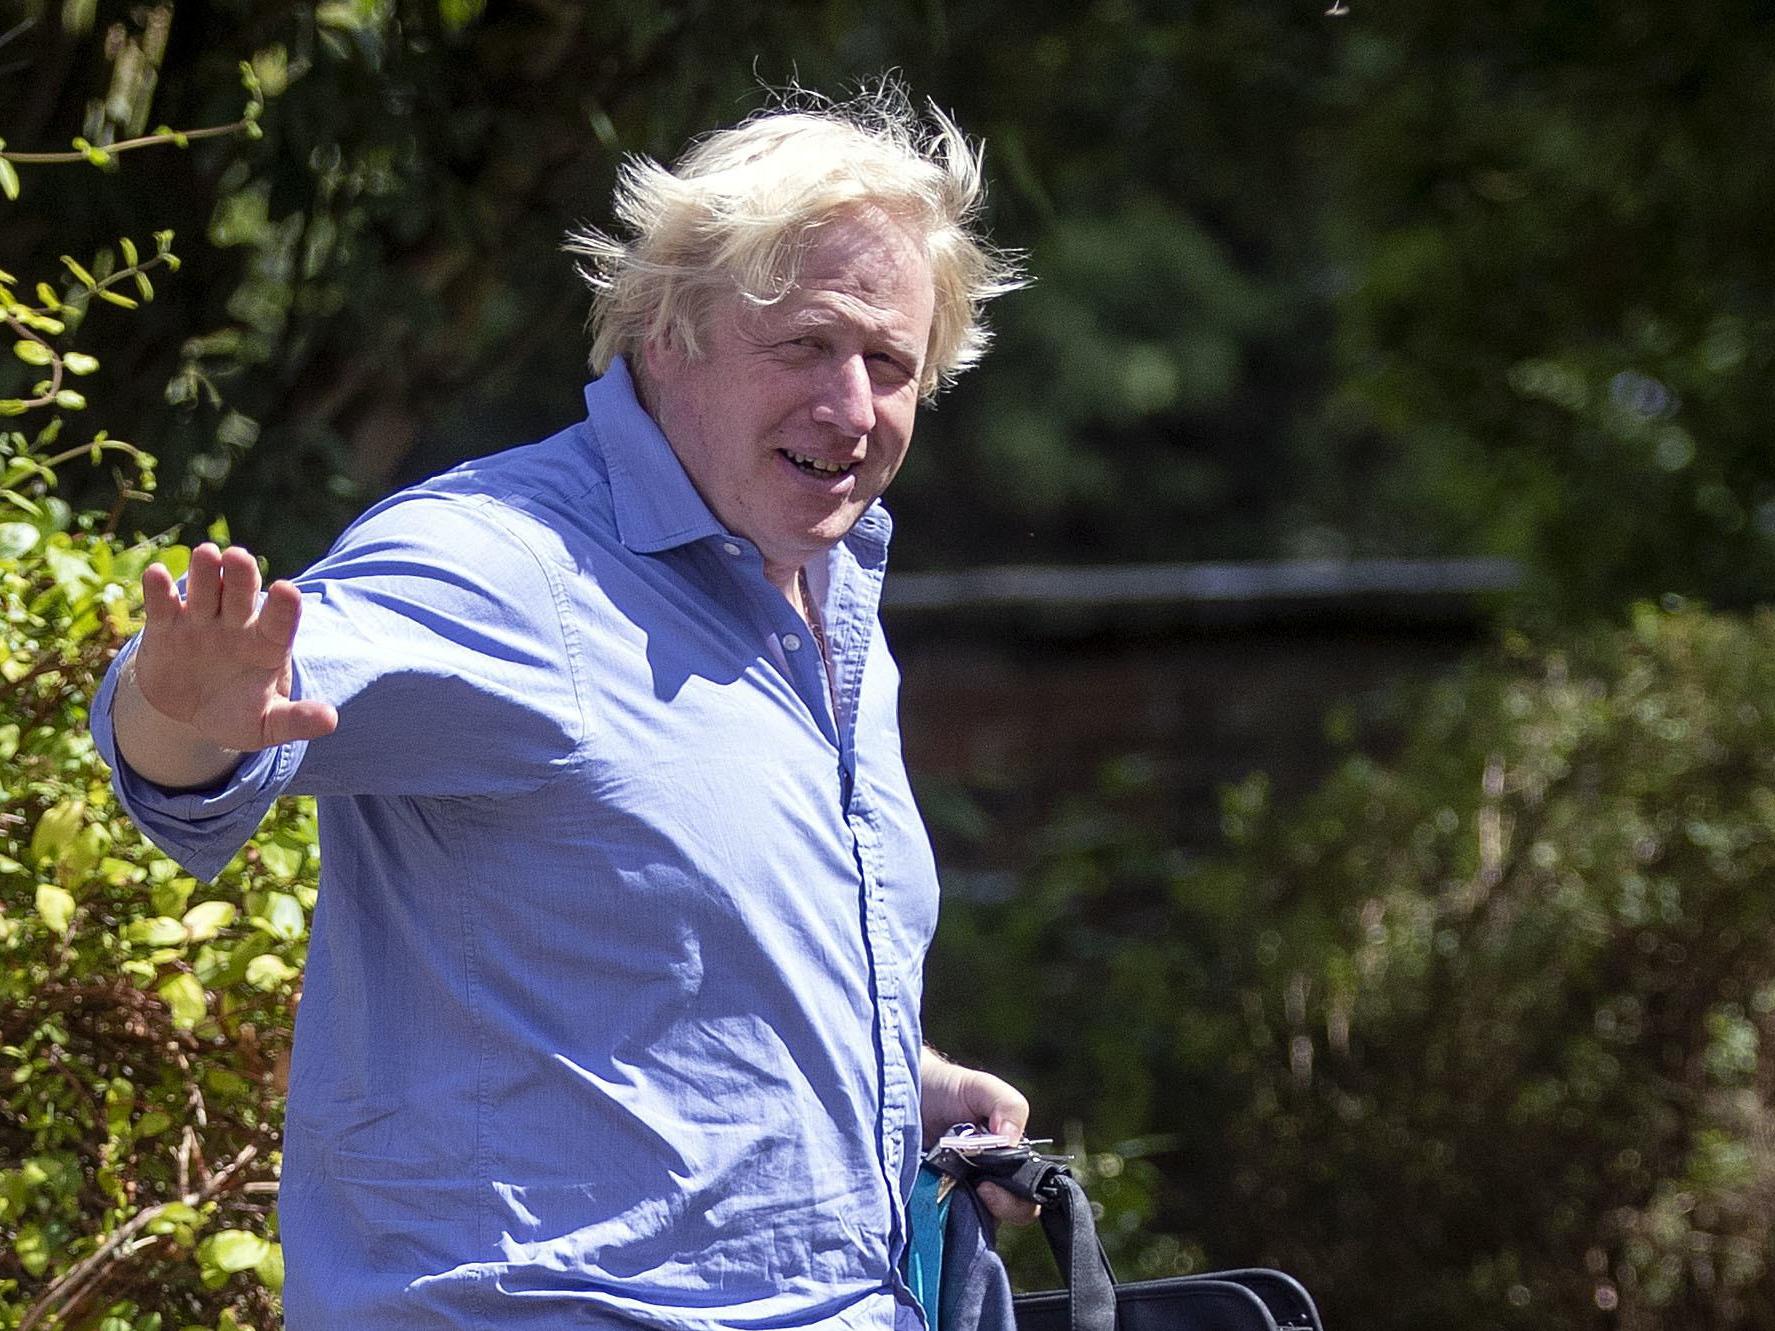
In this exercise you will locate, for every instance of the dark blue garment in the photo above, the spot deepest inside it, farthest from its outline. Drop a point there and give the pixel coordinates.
(975, 1292)
(611, 1010)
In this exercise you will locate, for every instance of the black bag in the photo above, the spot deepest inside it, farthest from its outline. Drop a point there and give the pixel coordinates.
(1253, 1300)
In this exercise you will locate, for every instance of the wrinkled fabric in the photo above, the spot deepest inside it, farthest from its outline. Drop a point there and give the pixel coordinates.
(975, 1291)
(611, 1008)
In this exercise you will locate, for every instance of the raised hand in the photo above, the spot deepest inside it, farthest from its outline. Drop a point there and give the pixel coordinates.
(214, 667)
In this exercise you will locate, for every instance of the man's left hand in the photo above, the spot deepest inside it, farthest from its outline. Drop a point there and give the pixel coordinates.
(953, 1094)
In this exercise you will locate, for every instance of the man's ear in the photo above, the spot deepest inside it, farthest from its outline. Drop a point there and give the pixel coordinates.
(663, 354)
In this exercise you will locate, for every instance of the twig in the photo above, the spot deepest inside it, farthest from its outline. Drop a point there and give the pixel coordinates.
(145, 141)
(84, 1275)
(55, 363)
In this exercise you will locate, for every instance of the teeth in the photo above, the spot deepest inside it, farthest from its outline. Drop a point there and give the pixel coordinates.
(831, 468)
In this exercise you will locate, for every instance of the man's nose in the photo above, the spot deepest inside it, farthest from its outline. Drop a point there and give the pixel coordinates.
(847, 398)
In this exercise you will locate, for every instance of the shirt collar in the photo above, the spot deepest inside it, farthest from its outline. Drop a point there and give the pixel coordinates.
(656, 506)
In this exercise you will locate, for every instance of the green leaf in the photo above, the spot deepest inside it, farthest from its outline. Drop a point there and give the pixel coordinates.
(270, 1268)
(56, 906)
(128, 247)
(16, 538)
(208, 918)
(170, 894)
(32, 352)
(144, 287)
(119, 299)
(78, 362)
(32, 1248)
(269, 971)
(120, 1100)
(152, 1124)
(342, 16)
(43, 323)
(284, 861)
(80, 274)
(233, 1250)
(69, 400)
(8, 179)
(57, 828)
(73, 573)
(159, 931)
(458, 14)
(185, 997)
(283, 918)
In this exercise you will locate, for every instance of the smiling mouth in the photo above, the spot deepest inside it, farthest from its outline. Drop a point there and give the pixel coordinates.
(817, 466)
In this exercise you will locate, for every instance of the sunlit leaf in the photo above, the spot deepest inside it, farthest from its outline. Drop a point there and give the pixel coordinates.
(56, 829)
(206, 919)
(16, 538)
(185, 997)
(233, 1250)
(55, 906)
(269, 971)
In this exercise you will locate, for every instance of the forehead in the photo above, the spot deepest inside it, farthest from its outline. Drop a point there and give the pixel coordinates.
(866, 269)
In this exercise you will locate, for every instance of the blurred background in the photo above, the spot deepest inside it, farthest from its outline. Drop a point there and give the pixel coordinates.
(1335, 670)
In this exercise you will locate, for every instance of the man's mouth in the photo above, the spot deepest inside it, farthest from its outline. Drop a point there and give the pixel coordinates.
(817, 466)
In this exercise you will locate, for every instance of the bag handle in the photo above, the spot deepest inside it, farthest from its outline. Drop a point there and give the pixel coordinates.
(1066, 1221)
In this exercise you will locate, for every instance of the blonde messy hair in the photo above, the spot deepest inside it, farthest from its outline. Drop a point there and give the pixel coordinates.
(734, 213)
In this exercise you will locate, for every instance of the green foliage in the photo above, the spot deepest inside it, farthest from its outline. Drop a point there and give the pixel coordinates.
(1472, 1038)
(1410, 280)
(142, 1014)
(1552, 311)
(1519, 995)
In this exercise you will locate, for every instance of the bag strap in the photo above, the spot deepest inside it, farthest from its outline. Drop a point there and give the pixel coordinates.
(1066, 1217)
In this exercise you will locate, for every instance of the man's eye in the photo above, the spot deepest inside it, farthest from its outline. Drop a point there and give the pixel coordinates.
(886, 369)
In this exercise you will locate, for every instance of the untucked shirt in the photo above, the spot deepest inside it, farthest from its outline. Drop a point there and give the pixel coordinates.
(611, 1008)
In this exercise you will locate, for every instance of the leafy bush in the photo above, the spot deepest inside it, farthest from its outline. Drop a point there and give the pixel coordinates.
(1505, 1041)
(1471, 1038)
(143, 1015)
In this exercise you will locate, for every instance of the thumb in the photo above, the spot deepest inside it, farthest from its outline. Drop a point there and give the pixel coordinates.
(306, 719)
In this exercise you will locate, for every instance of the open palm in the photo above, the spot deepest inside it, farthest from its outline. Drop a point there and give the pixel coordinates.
(218, 658)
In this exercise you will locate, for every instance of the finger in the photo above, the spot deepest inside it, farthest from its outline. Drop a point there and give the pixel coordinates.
(308, 719)
(998, 1104)
(279, 614)
(160, 596)
(240, 586)
(1005, 1207)
(203, 582)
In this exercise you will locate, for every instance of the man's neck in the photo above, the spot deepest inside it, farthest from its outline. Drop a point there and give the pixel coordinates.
(792, 584)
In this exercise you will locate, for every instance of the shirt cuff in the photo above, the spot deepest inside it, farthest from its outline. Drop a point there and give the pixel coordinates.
(202, 829)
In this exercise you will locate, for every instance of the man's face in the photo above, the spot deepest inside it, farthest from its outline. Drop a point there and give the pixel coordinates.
(797, 415)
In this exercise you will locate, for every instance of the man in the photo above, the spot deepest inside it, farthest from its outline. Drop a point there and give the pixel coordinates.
(611, 1010)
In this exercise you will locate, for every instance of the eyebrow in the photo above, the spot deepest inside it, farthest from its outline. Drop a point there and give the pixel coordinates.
(813, 319)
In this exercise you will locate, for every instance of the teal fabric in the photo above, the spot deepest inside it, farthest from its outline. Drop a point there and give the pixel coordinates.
(926, 1217)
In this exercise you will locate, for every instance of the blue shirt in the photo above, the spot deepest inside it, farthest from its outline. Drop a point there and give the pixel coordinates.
(611, 1008)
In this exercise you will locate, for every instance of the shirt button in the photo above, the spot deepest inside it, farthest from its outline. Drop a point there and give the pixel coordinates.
(792, 642)
(732, 549)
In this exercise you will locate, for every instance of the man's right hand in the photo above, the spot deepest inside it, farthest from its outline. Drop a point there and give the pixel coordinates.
(211, 677)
